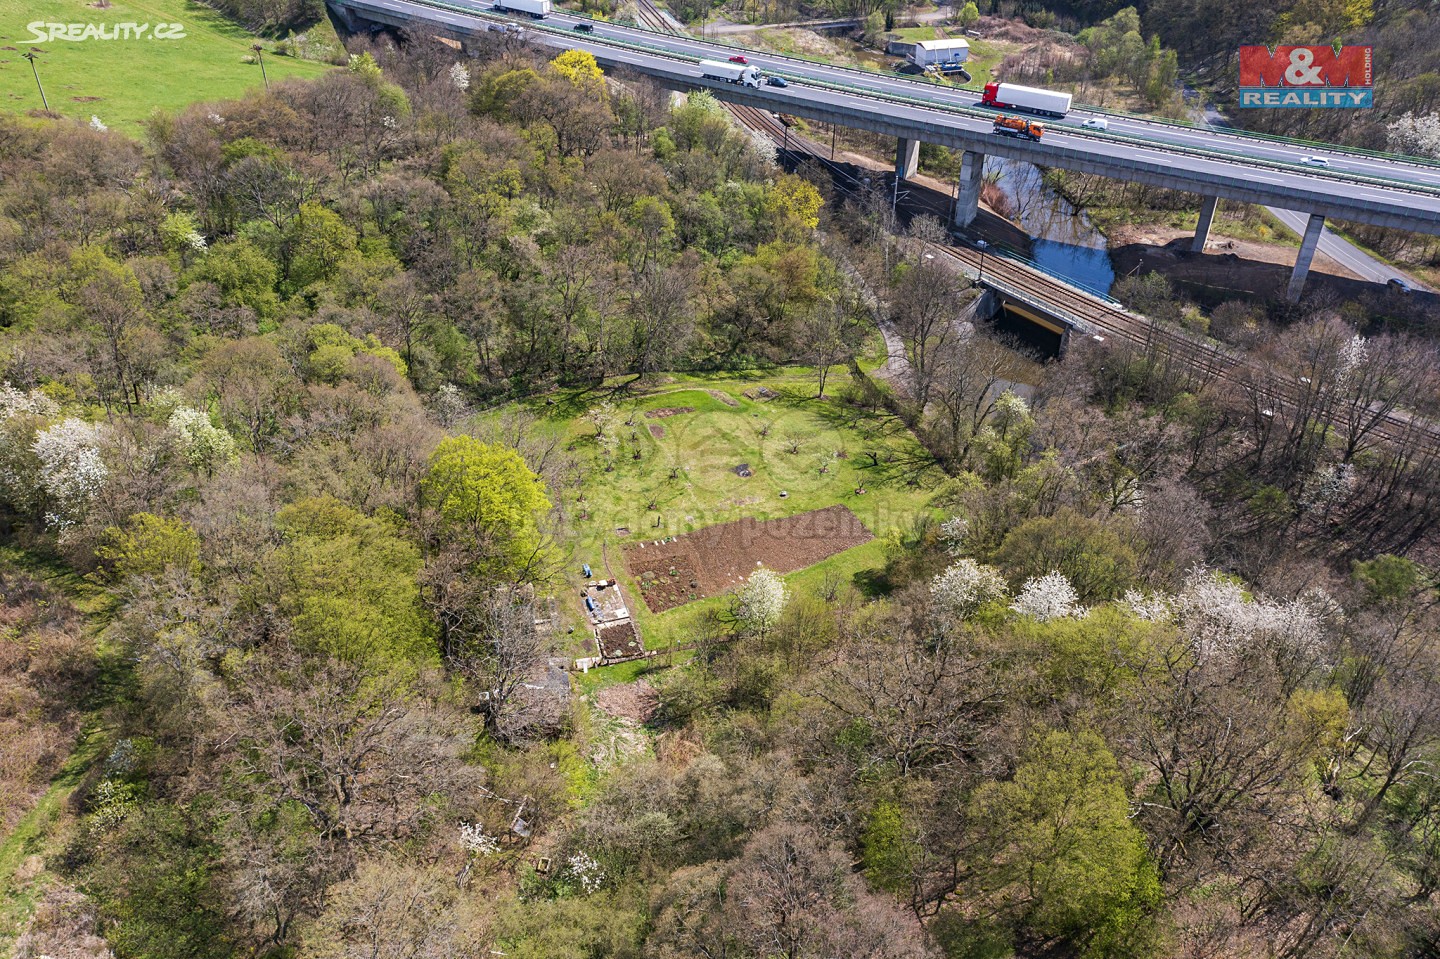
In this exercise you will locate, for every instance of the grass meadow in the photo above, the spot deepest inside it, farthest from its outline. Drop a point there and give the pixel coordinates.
(123, 81)
(817, 452)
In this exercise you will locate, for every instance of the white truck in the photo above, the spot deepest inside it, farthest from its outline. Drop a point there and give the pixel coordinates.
(729, 72)
(1012, 96)
(538, 9)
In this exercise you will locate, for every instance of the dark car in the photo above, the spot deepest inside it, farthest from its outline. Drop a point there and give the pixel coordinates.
(739, 59)
(584, 27)
(1395, 283)
(777, 81)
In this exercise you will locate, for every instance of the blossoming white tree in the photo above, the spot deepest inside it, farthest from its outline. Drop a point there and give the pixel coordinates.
(966, 586)
(1218, 619)
(204, 445)
(1047, 597)
(953, 531)
(460, 77)
(71, 470)
(761, 600)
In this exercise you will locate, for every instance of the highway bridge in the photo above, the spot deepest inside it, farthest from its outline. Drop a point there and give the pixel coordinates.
(1359, 187)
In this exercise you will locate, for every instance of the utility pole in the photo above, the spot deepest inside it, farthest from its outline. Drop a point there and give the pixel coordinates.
(44, 102)
(260, 56)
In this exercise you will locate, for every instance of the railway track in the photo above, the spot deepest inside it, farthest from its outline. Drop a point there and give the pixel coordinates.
(1213, 364)
(652, 19)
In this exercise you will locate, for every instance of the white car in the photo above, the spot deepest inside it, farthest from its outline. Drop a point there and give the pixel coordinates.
(1314, 161)
(1096, 123)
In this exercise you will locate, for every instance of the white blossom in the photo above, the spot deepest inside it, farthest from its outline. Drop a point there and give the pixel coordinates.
(954, 530)
(389, 122)
(1048, 597)
(474, 839)
(196, 241)
(607, 426)
(761, 600)
(113, 803)
(1327, 485)
(1219, 620)
(586, 871)
(1417, 135)
(96, 124)
(966, 586)
(449, 405)
(71, 470)
(1351, 356)
(204, 445)
(1011, 411)
(460, 77)
(216, 119)
(1152, 607)
(13, 402)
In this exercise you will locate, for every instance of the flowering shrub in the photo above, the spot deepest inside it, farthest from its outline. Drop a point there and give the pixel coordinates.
(71, 471)
(586, 872)
(761, 600)
(1218, 619)
(953, 531)
(966, 586)
(474, 839)
(1047, 597)
(204, 445)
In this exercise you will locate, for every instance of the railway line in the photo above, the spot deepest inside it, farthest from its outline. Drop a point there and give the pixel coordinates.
(1100, 318)
(652, 19)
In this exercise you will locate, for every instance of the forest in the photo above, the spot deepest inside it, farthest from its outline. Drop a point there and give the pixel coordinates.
(1150, 674)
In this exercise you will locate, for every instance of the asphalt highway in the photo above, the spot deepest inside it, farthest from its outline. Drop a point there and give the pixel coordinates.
(1298, 184)
(1155, 130)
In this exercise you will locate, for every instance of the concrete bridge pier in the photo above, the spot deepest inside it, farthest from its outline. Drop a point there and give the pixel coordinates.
(907, 157)
(967, 200)
(1202, 229)
(1313, 228)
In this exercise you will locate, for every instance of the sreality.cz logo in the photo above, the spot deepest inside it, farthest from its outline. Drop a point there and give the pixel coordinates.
(1306, 77)
(42, 31)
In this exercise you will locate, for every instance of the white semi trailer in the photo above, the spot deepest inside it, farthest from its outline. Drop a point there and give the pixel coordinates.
(1012, 96)
(730, 72)
(539, 9)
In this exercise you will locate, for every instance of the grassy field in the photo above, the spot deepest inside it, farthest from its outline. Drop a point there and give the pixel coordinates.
(122, 81)
(703, 447)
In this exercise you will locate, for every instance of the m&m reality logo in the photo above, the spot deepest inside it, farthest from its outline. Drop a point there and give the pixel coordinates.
(1306, 77)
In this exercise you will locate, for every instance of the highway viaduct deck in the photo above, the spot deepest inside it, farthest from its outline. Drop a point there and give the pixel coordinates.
(912, 121)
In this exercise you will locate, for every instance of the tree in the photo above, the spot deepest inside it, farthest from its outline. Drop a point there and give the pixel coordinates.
(760, 601)
(347, 583)
(1094, 557)
(1047, 597)
(486, 497)
(966, 586)
(71, 470)
(205, 446)
(968, 15)
(1065, 862)
(148, 545)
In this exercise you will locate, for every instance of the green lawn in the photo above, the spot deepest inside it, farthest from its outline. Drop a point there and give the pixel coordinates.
(703, 448)
(122, 81)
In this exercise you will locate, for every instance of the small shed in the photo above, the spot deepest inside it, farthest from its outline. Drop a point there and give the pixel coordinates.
(940, 53)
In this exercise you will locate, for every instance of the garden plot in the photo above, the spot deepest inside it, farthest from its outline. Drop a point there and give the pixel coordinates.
(707, 562)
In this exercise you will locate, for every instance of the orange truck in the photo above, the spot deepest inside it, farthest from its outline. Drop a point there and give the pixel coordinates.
(1018, 127)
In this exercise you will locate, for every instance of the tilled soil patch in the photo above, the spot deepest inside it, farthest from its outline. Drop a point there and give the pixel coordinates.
(657, 431)
(669, 411)
(711, 561)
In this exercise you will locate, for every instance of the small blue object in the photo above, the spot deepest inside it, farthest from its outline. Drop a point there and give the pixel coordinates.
(590, 604)
(586, 567)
